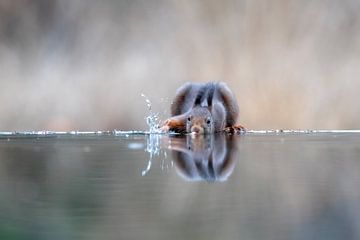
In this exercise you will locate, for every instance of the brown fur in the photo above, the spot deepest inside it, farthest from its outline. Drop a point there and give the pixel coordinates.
(176, 124)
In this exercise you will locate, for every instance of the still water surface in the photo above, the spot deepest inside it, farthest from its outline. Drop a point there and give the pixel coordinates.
(141, 186)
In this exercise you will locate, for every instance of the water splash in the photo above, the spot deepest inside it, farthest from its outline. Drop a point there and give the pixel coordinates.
(153, 147)
(153, 120)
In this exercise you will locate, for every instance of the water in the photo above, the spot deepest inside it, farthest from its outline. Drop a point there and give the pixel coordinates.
(135, 185)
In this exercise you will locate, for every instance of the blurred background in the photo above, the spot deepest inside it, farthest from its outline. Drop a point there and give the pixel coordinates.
(83, 65)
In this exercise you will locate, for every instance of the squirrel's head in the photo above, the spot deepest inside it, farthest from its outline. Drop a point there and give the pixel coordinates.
(200, 121)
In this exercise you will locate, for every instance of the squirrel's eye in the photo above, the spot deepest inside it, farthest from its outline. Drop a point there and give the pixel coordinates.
(189, 119)
(208, 121)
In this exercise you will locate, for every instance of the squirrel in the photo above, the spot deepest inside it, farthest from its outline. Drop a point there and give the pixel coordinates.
(203, 108)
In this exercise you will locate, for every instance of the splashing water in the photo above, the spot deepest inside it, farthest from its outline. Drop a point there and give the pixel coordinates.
(153, 120)
(155, 149)
(153, 146)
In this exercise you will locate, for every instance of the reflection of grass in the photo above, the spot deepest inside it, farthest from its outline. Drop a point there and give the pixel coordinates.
(10, 232)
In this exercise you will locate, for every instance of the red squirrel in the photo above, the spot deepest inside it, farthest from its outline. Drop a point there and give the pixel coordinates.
(203, 109)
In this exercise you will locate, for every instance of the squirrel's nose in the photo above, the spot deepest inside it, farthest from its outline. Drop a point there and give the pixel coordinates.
(195, 129)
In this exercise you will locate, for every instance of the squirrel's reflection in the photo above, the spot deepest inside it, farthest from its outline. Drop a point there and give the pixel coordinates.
(204, 157)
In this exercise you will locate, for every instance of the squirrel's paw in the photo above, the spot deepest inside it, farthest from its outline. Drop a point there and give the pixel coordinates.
(165, 127)
(235, 129)
(173, 125)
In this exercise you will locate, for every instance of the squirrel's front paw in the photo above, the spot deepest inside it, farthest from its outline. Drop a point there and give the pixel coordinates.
(165, 127)
(173, 124)
(235, 129)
